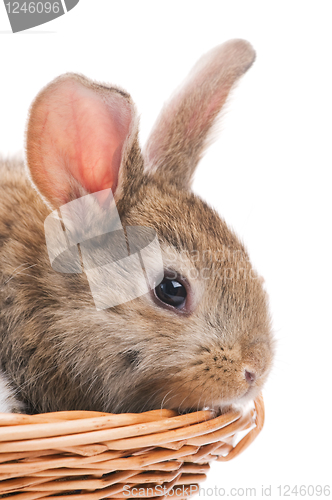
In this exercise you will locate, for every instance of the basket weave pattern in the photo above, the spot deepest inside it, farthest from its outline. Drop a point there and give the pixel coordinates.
(81, 455)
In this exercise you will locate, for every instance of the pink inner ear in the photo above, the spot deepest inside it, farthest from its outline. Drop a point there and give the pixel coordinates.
(76, 131)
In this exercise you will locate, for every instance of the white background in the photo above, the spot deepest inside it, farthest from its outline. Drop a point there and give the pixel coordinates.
(268, 175)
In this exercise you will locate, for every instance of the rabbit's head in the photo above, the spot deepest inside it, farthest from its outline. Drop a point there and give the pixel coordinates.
(201, 335)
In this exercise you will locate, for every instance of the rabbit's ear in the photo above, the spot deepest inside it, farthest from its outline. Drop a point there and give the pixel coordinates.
(181, 132)
(79, 140)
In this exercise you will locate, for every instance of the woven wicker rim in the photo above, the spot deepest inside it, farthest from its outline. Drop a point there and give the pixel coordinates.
(84, 455)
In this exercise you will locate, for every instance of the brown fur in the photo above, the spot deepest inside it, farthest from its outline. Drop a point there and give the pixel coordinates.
(59, 353)
(183, 128)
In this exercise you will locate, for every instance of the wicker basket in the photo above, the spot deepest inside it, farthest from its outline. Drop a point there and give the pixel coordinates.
(82, 455)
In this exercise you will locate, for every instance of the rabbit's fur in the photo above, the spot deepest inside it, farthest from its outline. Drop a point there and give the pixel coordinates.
(58, 352)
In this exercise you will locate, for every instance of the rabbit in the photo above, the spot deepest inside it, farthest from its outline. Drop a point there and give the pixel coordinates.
(202, 337)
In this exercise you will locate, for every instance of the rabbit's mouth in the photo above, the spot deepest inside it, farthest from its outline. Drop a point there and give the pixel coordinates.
(220, 408)
(215, 410)
(248, 397)
(239, 404)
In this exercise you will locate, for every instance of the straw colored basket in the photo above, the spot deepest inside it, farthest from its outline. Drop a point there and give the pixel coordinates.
(81, 455)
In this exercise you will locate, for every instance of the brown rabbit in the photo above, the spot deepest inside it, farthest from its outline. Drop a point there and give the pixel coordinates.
(202, 336)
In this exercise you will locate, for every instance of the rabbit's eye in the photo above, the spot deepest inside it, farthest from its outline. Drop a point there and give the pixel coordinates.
(171, 292)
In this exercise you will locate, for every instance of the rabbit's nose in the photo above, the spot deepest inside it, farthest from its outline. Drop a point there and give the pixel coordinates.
(250, 376)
